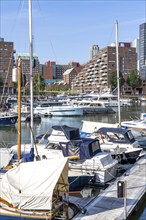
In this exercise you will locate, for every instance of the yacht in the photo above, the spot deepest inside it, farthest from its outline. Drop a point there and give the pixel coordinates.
(46, 109)
(93, 107)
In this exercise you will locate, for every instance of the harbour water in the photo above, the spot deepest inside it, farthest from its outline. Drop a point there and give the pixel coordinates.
(8, 135)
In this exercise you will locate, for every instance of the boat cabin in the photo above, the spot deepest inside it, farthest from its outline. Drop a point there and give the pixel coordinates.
(117, 135)
(68, 140)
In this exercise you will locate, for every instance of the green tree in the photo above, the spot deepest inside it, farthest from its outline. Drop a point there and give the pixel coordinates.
(113, 79)
(133, 79)
(38, 83)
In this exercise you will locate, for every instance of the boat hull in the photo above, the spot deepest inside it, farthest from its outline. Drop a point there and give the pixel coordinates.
(78, 182)
(8, 120)
(128, 157)
(59, 111)
(13, 215)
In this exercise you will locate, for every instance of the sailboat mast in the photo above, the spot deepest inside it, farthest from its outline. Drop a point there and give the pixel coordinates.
(118, 77)
(31, 72)
(19, 110)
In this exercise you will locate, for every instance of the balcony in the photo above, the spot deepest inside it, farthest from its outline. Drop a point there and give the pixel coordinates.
(91, 66)
(104, 74)
(103, 82)
(104, 54)
(104, 67)
(99, 60)
(101, 71)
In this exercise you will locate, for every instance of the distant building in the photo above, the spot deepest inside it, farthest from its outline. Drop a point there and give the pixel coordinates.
(135, 44)
(6, 64)
(25, 60)
(142, 50)
(93, 51)
(69, 75)
(95, 75)
(53, 72)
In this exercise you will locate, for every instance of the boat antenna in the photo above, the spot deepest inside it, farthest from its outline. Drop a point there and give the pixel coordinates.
(31, 72)
(118, 78)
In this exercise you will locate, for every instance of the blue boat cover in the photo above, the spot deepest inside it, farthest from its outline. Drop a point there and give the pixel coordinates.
(70, 132)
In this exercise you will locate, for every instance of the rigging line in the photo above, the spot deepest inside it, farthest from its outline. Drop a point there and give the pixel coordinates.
(40, 10)
(8, 72)
(112, 31)
(20, 6)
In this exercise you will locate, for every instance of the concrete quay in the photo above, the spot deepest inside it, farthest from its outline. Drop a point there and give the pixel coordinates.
(107, 205)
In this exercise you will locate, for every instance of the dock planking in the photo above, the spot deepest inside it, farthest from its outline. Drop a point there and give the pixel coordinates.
(107, 206)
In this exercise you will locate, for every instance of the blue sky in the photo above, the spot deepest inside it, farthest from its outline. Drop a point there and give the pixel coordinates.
(63, 31)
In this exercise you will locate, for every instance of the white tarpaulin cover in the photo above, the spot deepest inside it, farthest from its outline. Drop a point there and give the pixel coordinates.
(30, 185)
(5, 157)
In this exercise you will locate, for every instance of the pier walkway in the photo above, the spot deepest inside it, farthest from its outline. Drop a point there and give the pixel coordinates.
(107, 205)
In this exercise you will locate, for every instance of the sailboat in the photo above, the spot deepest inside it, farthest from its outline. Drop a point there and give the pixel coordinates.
(33, 190)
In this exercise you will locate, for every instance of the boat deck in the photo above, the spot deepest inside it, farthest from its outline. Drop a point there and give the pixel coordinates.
(108, 206)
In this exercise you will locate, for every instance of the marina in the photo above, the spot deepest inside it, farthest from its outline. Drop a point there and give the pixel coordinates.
(79, 154)
(9, 138)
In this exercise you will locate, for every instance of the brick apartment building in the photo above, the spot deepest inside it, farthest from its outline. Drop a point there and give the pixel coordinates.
(53, 72)
(6, 64)
(69, 75)
(95, 75)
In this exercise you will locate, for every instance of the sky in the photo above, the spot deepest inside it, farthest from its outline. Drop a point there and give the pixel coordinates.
(64, 31)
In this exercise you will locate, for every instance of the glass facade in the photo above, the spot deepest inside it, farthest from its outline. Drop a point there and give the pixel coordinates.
(142, 50)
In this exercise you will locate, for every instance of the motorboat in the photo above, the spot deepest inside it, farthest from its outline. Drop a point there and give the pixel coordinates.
(45, 109)
(8, 119)
(88, 152)
(137, 124)
(119, 142)
(86, 160)
(93, 107)
(36, 118)
(92, 126)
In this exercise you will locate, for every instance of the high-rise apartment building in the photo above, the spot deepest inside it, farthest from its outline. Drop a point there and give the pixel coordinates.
(142, 50)
(95, 75)
(6, 63)
(135, 44)
(25, 60)
(93, 51)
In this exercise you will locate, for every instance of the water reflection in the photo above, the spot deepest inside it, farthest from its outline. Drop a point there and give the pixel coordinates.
(9, 134)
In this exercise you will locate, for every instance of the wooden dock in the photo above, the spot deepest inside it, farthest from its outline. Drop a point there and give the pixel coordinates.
(107, 205)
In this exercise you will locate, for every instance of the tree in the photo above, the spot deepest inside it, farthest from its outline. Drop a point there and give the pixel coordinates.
(133, 79)
(38, 83)
(113, 79)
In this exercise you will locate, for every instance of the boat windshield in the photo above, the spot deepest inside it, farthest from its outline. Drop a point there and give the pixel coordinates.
(116, 137)
(130, 135)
